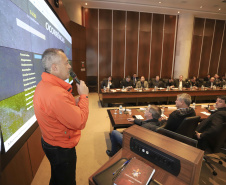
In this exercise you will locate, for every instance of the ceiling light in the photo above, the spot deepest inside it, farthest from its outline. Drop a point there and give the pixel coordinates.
(178, 12)
(85, 3)
(200, 6)
(219, 9)
(160, 2)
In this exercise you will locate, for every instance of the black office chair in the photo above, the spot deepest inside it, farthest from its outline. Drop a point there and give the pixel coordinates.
(188, 126)
(215, 144)
(178, 137)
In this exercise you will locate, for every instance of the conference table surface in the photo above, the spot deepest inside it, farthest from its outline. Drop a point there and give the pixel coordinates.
(121, 120)
(151, 95)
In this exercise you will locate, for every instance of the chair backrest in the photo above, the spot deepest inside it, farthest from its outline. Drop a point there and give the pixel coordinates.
(217, 140)
(188, 126)
(177, 137)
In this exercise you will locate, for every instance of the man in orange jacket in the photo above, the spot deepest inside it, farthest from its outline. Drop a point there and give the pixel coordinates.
(61, 116)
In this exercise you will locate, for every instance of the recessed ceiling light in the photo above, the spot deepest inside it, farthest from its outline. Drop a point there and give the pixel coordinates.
(160, 2)
(178, 12)
(85, 3)
(219, 9)
(200, 6)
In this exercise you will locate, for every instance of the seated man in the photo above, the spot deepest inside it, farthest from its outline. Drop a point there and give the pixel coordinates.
(194, 82)
(217, 80)
(135, 79)
(108, 83)
(180, 83)
(157, 82)
(127, 82)
(183, 110)
(171, 83)
(211, 83)
(207, 78)
(211, 125)
(142, 83)
(151, 115)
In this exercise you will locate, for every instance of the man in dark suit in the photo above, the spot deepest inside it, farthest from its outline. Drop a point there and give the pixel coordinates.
(151, 115)
(207, 78)
(135, 79)
(127, 82)
(180, 83)
(107, 83)
(157, 82)
(183, 110)
(211, 83)
(212, 125)
(171, 83)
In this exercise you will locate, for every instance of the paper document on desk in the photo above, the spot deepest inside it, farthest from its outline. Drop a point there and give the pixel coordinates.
(172, 108)
(139, 117)
(206, 113)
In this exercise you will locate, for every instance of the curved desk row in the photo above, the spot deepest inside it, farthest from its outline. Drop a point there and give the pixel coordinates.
(162, 95)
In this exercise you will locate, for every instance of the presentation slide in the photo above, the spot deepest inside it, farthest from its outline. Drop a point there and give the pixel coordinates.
(28, 27)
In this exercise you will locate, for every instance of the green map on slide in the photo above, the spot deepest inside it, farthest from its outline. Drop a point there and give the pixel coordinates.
(14, 113)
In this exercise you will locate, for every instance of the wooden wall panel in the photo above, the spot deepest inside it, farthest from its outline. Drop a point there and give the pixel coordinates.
(78, 34)
(132, 25)
(105, 35)
(212, 50)
(35, 150)
(156, 44)
(196, 47)
(216, 48)
(118, 43)
(144, 44)
(168, 46)
(18, 171)
(135, 44)
(206, 48)
(91, 24)
(222, 65)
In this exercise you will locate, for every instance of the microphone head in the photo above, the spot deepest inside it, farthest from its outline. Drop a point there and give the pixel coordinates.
(72, 74)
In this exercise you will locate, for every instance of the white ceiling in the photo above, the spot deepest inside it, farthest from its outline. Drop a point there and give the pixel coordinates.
(201, 8)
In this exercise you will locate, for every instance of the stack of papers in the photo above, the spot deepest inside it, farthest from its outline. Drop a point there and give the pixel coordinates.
(139, 117)
(172, 108)
(206, 113)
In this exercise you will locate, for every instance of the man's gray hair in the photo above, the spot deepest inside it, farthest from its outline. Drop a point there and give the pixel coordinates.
(156, 111)
(49, 57)
(185, 97)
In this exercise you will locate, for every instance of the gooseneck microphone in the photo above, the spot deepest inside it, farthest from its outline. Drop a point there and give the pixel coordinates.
(74, 76)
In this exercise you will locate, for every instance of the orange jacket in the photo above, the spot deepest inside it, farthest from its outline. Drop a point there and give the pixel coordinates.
(60, 120)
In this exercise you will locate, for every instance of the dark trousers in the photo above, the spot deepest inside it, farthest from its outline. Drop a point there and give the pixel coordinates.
(63, 164)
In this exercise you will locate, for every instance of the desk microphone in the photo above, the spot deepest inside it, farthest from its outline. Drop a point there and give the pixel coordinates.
(125, 112)
(74, 76)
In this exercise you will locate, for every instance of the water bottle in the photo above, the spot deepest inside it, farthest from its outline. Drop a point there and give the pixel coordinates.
(104, 89)
(193, 105)
(167, 89)
(202, 87)
(120, 109)
(155, 88)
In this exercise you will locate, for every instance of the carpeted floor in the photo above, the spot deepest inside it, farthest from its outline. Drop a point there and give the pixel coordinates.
(93, 144)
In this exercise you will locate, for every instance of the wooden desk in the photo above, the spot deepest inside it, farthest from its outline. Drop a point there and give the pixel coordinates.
(120, 120)
(190, 157)
(148, 95)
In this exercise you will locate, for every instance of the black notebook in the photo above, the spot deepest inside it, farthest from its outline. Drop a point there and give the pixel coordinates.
(106, 177)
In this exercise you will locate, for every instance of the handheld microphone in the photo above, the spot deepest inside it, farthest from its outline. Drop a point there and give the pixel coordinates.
(74, 76)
